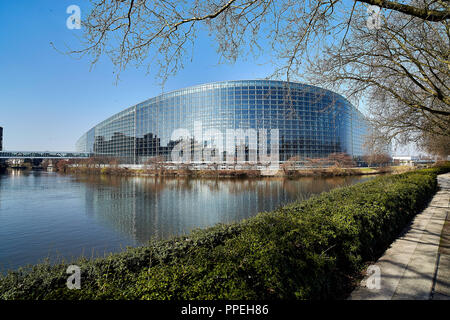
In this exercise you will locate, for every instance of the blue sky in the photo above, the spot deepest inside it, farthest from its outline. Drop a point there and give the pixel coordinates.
(48, 99)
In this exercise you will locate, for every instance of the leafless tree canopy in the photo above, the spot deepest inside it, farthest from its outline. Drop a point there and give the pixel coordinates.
(438, 145)
(161, 33)
(401, 68)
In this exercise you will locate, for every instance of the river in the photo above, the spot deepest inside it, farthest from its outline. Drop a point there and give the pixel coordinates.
(45, 215)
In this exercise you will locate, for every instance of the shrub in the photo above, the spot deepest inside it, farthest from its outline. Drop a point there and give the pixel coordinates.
(305, 250)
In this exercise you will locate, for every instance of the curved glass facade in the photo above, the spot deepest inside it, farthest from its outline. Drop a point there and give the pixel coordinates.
(312, 122)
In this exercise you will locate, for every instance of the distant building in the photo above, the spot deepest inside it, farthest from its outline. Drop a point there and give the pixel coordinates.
(410, 160)
(1, 138)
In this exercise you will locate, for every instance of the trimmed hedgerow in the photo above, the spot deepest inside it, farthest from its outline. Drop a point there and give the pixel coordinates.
(306, 250)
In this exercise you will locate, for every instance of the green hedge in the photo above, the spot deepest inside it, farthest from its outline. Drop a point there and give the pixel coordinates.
(307, 250)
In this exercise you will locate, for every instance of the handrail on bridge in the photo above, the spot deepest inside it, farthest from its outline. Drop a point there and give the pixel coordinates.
(43, 155)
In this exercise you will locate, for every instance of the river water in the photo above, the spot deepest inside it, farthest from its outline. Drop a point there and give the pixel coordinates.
(45, 215)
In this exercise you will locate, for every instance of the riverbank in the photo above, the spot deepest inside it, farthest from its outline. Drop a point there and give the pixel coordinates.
(417, 265)
(227, 173)
(308, 250)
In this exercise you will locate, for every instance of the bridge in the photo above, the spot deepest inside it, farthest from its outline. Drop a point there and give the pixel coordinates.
(43, 155)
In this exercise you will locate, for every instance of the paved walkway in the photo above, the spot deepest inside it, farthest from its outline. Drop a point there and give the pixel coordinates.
(417, 265)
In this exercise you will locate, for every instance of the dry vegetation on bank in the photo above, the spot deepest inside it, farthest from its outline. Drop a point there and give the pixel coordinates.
(336, 164)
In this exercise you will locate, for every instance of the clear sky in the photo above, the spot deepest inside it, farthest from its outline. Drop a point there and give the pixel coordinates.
(49, 99)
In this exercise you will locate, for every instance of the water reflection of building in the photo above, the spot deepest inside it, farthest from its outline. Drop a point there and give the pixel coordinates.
(145, 208)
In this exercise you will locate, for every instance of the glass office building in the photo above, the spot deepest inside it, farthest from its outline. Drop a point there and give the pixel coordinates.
(312, 122)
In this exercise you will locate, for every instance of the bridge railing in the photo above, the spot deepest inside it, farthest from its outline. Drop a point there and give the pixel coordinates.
(43, 155)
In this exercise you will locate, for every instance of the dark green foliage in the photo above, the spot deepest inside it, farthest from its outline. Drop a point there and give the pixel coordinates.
(306, 250)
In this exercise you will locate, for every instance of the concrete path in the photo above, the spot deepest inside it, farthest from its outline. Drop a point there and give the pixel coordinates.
(417, 265)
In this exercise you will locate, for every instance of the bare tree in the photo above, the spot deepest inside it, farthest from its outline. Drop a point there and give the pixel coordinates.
(340, 159)
(156, 163)
(162, 32)
(377, 159)
(290, 165)
(401, 69)
(438, 145)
